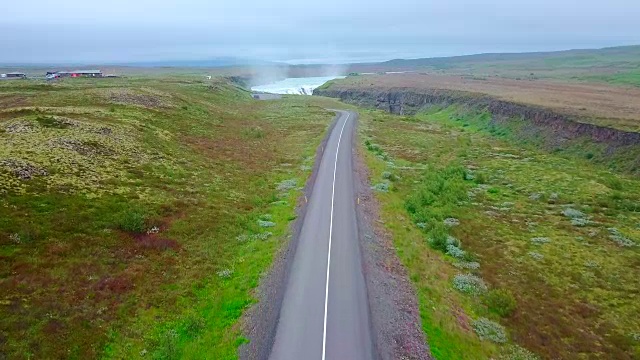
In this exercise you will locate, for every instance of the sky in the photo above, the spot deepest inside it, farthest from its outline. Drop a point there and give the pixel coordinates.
(337, 31)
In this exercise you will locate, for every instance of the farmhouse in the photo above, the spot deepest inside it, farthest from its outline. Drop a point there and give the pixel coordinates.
(75, 73)
(15, 75)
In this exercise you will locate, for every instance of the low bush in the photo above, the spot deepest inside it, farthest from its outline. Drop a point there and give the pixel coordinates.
(455, 251)
(382, 187)
(619, 238)
(489, 330)
(265, 223)
(500, 302)
(540, 240)
(515, 352)
(451, 222)
(132, 221)
(536, 255)
(469, 284)
(439, 237)
(287, 185)
(573, 213)
(470, 265)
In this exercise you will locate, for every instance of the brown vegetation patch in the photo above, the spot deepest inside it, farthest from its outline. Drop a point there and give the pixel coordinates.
(132, 98)
(155, 242)
(464, 321)
(575, 98)
(9, 101)
(251, 155)
(114, 285)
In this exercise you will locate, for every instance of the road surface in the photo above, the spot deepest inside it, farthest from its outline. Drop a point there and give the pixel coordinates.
(325, 311)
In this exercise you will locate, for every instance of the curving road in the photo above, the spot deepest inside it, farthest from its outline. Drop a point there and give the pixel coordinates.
(325, 310)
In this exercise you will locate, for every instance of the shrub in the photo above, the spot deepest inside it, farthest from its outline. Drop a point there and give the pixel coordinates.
(536, 255)
(471, 265)
(455, 251)
(540, 240)
(132, 221)
(439, 238)
(480, 178)
(619, 238)
(453, 241)
(382, 187)
(265, 223)
(225, 273)
(500, 302)
(578, 218)
(469, 284)
(451, 222)
(468, 175)
(489, 330)
(573, 213)
(262, 236)
(259, 236)
(515, 352)
(535, 196)
(387, 175)
(580, 222)
(287, 185)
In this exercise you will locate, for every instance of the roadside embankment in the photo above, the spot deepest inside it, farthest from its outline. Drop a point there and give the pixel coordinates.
(552, 129)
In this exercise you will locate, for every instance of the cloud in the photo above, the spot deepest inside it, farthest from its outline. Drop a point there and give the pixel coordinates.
(125, 30)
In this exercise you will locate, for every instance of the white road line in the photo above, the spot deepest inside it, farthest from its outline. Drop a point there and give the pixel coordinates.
(333, 192)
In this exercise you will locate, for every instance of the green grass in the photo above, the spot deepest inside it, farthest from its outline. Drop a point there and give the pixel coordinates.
(142, 237)
(631, 78)
(569, 296)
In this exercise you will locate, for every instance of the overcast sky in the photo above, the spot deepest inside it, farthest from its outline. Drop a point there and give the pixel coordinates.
(91, 31)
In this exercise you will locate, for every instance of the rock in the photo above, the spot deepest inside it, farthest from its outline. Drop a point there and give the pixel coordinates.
(22, 169)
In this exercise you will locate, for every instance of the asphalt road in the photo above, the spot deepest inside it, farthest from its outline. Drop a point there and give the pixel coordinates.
(325, 310)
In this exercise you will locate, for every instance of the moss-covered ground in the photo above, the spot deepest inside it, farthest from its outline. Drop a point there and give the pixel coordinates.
(137, 214)
(516, 252)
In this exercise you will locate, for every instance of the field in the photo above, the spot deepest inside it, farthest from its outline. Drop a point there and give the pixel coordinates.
(614, 106)
(516, 253)
(615, 65)
(138, 214)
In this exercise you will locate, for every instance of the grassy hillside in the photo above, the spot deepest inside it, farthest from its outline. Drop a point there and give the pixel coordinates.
(516, 253)
(616, 65)
(137, 215)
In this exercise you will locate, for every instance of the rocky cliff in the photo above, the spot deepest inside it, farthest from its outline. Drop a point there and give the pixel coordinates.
(558, 130)
(408, 102)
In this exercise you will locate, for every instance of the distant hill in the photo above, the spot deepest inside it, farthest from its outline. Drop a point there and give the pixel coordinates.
(614, 65)
(585, 57)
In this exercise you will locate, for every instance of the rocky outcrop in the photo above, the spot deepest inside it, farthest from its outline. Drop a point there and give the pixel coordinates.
(558, 128)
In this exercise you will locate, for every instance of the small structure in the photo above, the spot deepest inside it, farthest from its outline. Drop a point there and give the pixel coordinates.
(15, 75)
(74, 73)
